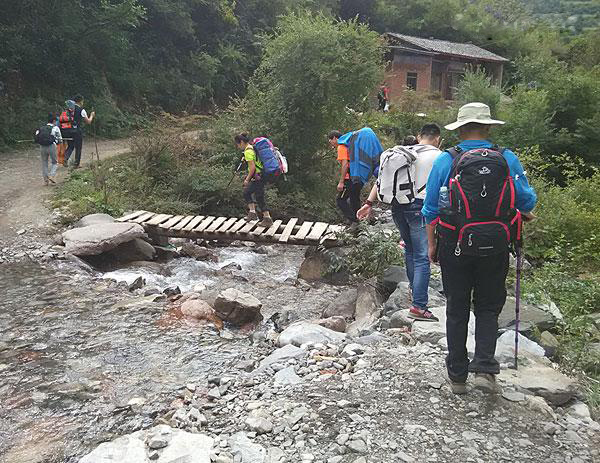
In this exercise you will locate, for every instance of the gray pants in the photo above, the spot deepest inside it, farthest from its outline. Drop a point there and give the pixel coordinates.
(49, 152)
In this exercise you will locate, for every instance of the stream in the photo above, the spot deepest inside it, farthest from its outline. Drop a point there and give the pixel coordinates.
(76, 349)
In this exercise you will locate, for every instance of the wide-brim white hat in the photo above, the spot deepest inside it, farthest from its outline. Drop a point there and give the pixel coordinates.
(474, 112)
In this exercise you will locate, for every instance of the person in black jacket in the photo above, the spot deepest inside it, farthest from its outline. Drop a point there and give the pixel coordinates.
(76, 144)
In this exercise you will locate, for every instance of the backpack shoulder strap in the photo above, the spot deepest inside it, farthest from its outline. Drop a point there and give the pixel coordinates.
(455, 151)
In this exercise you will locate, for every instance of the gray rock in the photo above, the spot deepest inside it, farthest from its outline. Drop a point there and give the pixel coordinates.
(513, 396)
(432, 332)
(399, 300)
(579, 410)
(531, 316)
(303, 332)
(335, 323)
(357, 446)
(549, 342)
(505, 347)
(287, 377)
(275, 455)
(259, 425)
(368, 309)
(392, 277)
(316, 266)
(96, 239)
(400, 319)
(238, 308)
(198, 252)
(183, 446)
(245, 450)
(343, 305)
(404, 457)
(282, 355)
(94, 219)
(138, 283)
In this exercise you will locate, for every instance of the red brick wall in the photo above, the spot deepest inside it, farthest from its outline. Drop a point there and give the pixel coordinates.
(397, 71)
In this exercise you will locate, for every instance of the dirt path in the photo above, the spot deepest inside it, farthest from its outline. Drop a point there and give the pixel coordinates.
(23, 193)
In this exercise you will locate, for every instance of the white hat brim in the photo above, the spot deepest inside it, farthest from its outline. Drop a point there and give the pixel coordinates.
(457, 124)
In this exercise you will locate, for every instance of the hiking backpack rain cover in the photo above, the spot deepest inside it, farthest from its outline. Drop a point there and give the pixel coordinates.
(266, 153)
(397, 175)
(43, 136)
(364, 150)
(482, 219)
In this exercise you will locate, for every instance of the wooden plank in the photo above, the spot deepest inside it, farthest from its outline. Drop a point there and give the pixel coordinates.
(304, 229)
(144, 217)
(317, 231)
(160, 218)
(258, 230)
(287, 231)
(249, 226)
(216, 224)
(193, 223)
(227, 225)
(131, 216)
(331, 233)
(205, 223)
(183, 223)
(171, 222)
(239, 224)
(271, 231)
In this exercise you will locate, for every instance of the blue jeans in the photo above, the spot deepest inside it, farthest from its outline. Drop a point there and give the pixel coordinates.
(411, 223)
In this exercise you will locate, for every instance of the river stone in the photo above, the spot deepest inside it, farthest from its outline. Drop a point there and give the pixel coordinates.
(432, 332)
(183, 446)
(246, 450)
(198, 309)
(343, 305)
(282, 355)
(94, 219)
(198, 252)
(96, 239)
(304, 332)
(541, 379)
(336, 323)
(287, 377)
(237, 308)
(317, 265)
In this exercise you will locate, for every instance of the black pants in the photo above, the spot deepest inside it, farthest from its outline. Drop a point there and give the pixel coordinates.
(254, 193)
(482, 279)
(76, 144)
(349, 200)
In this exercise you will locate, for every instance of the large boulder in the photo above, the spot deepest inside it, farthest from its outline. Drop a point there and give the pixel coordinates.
(198, 252)
(318, 265)
(304, 332)
(391, 278)
(135, 250)
(237, 308)
(96, 239)
(245, 450)
(169, 444)
(336, 323)
(343, 305)
(94, 219)
(426, 331)
(399, 300)
(368, 308)
(200, 310)
(531, 316)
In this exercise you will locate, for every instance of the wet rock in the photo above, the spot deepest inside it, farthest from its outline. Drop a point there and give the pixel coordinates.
(245, 450)
(333, 323)
(96, 239)
(154, 267)
(172, 291)
(391, 278)
(138, 283)
(198, 252)
(237, 308)
(132, 448)
(199, 310)
(541, 379)
(317, 265)
(134, 250)
(343, 305)
(304, 332)
(94, 219)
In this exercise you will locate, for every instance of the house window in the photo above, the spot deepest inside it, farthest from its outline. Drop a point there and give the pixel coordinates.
(411, 80)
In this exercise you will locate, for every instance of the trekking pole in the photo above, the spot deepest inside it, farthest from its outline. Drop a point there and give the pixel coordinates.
(95, 141)
(232, 177)
(519, 255)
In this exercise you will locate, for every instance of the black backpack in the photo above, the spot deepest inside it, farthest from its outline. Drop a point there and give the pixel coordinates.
(482, 219)
(43, 136)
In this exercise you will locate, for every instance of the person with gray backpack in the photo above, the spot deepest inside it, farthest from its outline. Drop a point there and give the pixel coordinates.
(402, 181)
(48, 137)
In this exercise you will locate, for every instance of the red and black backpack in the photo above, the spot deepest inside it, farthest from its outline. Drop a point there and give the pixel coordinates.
(482, 219)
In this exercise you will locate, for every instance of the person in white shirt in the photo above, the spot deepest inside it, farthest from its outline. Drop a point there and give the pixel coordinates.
(49, 137)
(411, 223)
(80, 118)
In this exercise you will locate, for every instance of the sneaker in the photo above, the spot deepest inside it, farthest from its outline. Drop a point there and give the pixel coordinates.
(486, 382)
(422, 314)
(251, 216)
(266, 222)
(46, 181)
(52, 180)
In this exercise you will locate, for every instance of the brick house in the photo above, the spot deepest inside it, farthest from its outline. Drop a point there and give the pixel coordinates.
(434, 66)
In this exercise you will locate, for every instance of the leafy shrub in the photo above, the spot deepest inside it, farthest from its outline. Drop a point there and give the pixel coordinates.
(477, 86)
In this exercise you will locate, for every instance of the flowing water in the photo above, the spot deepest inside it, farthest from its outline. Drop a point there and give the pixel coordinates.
(74, 351)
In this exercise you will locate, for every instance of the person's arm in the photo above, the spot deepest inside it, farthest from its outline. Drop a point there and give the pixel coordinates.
(365, 211)
(251, 172)
(526, 198)
(343, 173)
(432, 243)
(90, 119)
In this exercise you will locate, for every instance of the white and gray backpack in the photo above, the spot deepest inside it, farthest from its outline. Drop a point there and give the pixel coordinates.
(397, 175)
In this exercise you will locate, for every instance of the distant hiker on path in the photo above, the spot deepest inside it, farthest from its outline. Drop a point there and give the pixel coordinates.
(48, 137)
(383, 96)
(476, 195)
(406, 209)
(358, 154)
(255, 182)
(80, 117)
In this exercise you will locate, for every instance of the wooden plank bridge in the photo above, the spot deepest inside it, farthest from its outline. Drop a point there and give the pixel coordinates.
(162, 226)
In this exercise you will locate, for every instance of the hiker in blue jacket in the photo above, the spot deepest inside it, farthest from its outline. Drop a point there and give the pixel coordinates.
(470, 275)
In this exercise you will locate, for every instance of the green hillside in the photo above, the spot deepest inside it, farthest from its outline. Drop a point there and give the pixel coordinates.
(576, 15)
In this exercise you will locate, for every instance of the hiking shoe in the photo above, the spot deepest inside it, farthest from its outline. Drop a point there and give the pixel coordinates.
(486, 382)
(457, 387)
(266, 222)
(251, 216)
(52, 180)
(422, 314)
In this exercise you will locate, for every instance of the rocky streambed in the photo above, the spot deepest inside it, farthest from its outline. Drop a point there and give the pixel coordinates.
(135, 364)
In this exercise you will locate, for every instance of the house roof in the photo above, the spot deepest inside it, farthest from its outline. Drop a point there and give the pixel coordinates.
(444, 47)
